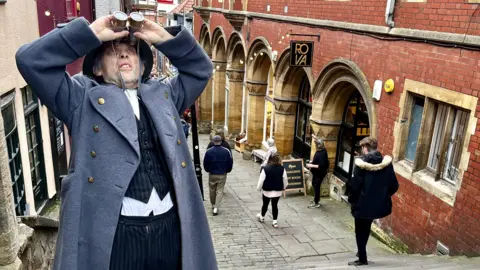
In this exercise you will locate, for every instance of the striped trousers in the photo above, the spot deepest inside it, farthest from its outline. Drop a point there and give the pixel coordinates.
(147, 243)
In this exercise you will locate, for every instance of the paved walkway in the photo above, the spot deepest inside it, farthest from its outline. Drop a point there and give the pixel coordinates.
(306, 238)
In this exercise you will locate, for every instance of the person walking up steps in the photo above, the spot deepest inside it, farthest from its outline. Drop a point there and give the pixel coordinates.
(218, 162)
(273, 180)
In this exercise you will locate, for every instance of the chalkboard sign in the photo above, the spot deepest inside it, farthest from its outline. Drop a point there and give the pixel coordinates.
(296, 181)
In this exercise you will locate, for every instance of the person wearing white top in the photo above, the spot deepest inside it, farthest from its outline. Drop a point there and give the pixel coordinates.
(273, 181)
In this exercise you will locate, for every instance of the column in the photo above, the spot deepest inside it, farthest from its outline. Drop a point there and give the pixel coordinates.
(219, 79)
(8, 222)
(328, 131)
(285, 109)
(235, 79)
(256, 99)
(206, 103)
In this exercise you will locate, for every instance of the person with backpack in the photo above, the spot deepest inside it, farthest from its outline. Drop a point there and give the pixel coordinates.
(370, 193)
(319, 168)
(273, 180)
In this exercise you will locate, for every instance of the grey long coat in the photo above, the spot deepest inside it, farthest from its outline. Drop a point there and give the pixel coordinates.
(93, 191)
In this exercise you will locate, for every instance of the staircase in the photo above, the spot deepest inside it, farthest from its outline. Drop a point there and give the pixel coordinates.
(394, 261)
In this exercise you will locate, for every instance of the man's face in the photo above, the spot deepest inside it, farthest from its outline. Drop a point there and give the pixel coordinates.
(119, 57)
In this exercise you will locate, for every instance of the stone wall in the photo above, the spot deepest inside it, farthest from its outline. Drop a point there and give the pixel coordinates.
(37, 237)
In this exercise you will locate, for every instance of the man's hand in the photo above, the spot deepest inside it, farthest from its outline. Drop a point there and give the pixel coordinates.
(152, 33)
(102, 28)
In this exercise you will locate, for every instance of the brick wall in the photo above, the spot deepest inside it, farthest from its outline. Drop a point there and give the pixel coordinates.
(455, 16)
(106, 7)
(367, 12)
(419, 218)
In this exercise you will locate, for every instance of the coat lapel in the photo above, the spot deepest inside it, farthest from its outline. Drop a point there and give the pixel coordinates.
(157, 101)
(113, 105)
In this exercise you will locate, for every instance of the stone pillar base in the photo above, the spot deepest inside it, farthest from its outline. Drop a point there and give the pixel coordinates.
(204, 127)
(16, 265)
(247, 155)
(324, 188)
(337, 188)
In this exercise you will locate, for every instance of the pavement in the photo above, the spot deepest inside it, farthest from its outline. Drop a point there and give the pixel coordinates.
(320, 238)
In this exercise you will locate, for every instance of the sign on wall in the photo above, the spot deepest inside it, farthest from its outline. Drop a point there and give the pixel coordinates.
(301, 53)
(296, 181)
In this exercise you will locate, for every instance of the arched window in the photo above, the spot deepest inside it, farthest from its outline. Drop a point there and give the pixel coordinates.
(303, 131)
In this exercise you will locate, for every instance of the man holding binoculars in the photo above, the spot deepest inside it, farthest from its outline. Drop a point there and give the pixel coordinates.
(131, 200)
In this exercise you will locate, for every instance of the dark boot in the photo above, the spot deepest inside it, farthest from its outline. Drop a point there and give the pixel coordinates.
(358, 263)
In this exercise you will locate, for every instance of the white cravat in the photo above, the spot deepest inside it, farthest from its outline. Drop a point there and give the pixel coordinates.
(132, 207)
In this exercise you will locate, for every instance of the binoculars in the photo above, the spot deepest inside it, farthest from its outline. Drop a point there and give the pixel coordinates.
(133, 22)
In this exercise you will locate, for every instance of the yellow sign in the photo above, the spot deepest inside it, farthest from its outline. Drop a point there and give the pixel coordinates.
(389, 86)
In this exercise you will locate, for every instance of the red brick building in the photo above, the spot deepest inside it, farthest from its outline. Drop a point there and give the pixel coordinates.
(426, 51)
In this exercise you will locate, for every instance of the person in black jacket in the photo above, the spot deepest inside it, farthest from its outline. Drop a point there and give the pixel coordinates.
(319, 168)
(273, 180)
(218, 162)
(370, 193)
(224, 143)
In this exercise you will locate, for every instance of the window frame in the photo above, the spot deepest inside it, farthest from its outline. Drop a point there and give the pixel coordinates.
(415, 172)
(432, 132)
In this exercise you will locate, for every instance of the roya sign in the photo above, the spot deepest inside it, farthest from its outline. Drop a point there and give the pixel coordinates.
(301, 53)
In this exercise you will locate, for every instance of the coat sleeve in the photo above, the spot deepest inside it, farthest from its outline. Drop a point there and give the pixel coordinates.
(261, 179)
(194, 66)
(285, 179)
(354, 185)
(206, 162)
(393, 185)
(43, 62)
(230, 161)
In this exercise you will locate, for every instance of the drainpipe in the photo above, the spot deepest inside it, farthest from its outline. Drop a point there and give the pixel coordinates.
(389, 13)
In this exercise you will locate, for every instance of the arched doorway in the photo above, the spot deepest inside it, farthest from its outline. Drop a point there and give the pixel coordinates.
(206, 101)
(293, 107)
(343, 113)
(259, 68)
(303, 130)
(219, 60)
(235, 91)
(354, 127)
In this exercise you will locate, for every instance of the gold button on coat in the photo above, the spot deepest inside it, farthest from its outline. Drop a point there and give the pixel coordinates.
(166, 95)
(90, 179)
(184, 164)
(101, 101)
(93, 154)
(96, 129)
(179, 142)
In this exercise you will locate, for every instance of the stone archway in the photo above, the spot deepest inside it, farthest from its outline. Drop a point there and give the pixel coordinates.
(259, 71)
(338, 82)
(206, 101)
(219, 59)
(287, 91)
(235, 90)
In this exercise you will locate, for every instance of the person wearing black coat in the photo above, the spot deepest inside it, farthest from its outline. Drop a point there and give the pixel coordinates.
(370, 193)
(225, 144)
(318, 168)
